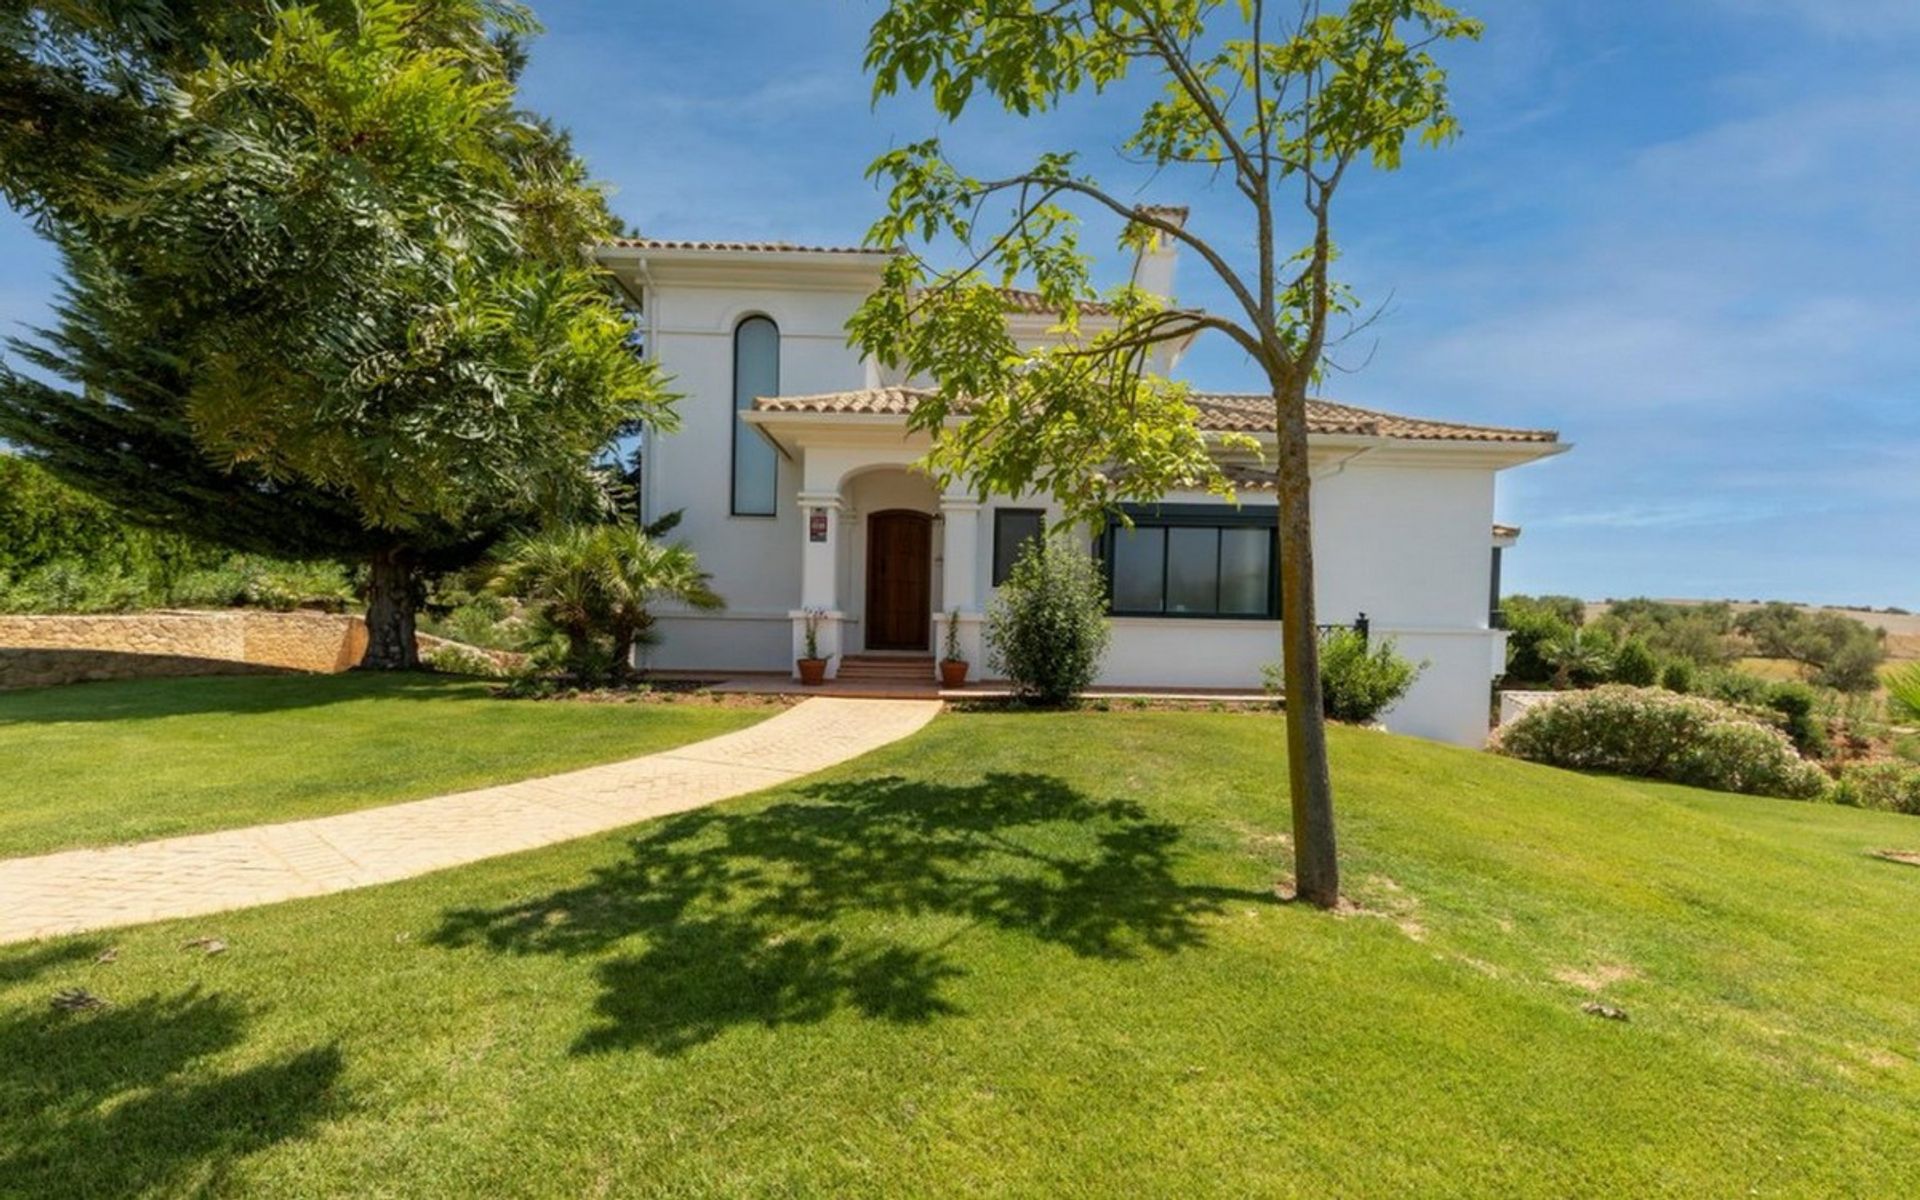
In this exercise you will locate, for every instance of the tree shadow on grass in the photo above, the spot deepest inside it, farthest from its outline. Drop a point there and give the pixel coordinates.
(787, 913)
(20, 968)
(255, 692)
(118, 1102)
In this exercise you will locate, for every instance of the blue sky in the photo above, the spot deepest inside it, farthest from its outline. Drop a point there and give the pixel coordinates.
(1686, 235)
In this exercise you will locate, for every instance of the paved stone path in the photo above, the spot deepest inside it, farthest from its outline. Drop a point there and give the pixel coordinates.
(78, 890)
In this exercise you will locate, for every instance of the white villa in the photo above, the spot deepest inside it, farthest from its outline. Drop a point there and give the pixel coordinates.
(795, 473)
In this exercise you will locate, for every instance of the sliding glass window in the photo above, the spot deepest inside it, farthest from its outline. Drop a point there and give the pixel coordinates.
(1193, 560)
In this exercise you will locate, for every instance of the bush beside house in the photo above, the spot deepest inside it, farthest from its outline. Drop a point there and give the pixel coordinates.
(1357, 682)
(1047, 625)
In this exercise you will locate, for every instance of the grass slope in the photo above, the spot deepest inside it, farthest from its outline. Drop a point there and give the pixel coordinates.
(1029, 955)
(116, 762)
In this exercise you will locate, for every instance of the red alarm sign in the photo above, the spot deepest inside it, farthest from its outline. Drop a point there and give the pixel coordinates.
(817, 525)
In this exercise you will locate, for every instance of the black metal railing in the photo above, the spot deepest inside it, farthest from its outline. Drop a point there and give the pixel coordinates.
(1360, 625)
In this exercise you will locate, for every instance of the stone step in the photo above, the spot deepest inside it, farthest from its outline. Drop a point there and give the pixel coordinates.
(862, 666)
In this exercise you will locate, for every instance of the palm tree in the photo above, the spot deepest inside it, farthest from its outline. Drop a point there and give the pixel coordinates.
(590, 580)
(1580, 657)
(1903, 689)
(559, 572)
(637, 573)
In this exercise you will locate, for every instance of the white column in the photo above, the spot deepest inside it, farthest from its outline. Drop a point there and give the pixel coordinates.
(960, 553)
(820, 521)
(960, 576)
(820, 550)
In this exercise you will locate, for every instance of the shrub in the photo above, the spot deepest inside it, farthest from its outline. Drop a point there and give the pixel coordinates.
(1356, 683)
(455, 659)
(1746, 756)
(1788, 704)
(1794, 704)
(1635, 665)
(1528, 630)
(1047, 625)
(1736, 687)
(1658, 735)
(1887, 786)
(1677, 676)
(68, 586)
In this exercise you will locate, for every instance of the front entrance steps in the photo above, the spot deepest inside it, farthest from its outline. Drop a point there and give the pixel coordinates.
(886, 668)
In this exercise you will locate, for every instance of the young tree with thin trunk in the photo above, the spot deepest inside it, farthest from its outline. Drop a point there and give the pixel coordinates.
(1280, 101)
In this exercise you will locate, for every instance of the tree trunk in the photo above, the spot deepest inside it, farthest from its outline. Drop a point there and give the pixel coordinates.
(579, 653)
(1316, 866)
(622, 666)
(391, 600)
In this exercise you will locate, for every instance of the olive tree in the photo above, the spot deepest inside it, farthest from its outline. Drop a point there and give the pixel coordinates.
(1281, 102)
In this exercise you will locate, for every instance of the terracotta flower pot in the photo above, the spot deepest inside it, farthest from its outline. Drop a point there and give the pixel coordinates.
(953, 672)
(813, 671)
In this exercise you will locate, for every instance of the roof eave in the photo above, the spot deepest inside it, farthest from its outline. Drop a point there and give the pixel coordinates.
(1497, 454)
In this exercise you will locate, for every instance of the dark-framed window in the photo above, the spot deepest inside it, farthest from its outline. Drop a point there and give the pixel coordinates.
(756, 372)
(1013, 528)
(1193, 560)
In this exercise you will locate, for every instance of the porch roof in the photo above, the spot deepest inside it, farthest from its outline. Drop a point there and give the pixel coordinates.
(1220, 412)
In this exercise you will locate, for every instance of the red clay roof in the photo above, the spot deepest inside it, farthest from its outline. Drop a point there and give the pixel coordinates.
(1021, 300)
(760, 247)
(1219, 412)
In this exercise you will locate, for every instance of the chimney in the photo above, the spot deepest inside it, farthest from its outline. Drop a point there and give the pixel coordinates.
(1153, 268)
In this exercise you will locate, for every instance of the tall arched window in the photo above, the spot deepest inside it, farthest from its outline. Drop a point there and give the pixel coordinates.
(756, 372)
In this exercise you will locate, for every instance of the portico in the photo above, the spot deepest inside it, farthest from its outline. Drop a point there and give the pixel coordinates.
(885, 556)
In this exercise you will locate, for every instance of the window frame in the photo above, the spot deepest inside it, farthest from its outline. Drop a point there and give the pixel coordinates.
(1194, 516)
(739, 426)
(993, 564)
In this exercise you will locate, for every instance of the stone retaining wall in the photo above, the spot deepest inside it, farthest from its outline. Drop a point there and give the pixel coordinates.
(40, 651)
(37, 651)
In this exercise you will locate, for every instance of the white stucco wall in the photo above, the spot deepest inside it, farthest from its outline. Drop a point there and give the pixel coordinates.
(755, 561)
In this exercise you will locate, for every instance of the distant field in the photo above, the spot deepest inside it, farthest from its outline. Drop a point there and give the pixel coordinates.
(1903, 630)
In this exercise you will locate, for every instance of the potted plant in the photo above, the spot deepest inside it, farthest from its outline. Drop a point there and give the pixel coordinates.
(813, 668)
(953, 664)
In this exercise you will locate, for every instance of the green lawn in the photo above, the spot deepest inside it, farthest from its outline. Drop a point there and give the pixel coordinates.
(115, 762)
(1029, 955)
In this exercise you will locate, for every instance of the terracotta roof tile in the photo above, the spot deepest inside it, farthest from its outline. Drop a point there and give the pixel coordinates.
(762, 247)
(1219, 412)
(1021, 300)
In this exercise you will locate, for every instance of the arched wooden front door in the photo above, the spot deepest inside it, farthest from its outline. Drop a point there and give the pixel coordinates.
(899, 580)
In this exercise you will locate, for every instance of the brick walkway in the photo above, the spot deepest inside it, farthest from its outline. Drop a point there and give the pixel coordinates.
(78, 890)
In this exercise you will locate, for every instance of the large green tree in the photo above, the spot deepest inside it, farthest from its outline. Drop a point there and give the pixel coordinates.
(1280, 101)
(350, 265)
(1831, 648)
